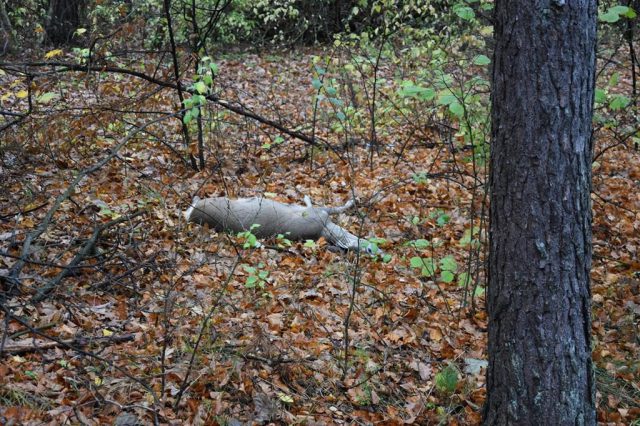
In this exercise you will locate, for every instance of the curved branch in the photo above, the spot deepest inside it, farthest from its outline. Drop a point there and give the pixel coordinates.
(237, 108)
(14, 274)
(85, 251)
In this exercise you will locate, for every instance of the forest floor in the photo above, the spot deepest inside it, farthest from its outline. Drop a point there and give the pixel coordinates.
(174, 323)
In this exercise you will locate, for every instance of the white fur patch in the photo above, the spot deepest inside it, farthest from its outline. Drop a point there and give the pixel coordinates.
(187, 214)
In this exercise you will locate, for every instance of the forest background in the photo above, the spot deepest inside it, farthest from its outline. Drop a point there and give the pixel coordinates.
(114, 114)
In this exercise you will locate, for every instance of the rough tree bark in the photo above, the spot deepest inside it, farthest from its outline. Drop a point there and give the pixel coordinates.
(7, 39)
(538, 300)
(63, 18)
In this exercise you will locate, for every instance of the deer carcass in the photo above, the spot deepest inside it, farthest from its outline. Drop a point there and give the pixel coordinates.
(295, 221)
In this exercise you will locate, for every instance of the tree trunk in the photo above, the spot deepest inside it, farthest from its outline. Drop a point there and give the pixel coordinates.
(538, 300)
(7, 39)
(64, 17)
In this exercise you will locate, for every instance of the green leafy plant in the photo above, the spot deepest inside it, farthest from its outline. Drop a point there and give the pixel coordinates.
(420, 178)
(464, 11)
(606, 98)
(310, 244)
(418, 244)
(440, 216)
(282, 241)
(446, 380)
(81, 55)
(615, 13)
(448, 268)
(258, 276)
(415, 220)
(428, 267)
(371, 246)
(327, 94)
(202, 86)
(278, 140)
(250, 239)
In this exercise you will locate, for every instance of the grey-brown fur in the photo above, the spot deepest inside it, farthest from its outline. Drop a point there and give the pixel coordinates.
(296, 221)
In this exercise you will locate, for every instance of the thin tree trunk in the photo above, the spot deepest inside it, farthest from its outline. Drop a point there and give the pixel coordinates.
(64, 18)
(8, 42)
(538, 300)
(176, 71)
(629, 33)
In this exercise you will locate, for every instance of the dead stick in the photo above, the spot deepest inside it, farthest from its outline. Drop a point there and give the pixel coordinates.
(76, 342)
(85, 251)
(14, 274)
(32, 209)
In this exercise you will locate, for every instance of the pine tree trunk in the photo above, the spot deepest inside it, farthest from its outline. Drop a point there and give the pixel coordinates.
(538, 300)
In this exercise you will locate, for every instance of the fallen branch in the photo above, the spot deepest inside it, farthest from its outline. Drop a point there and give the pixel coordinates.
(32, 209)
(14, 274)
(87, 249)
(237, 108)
(24, 348)
(79, 349)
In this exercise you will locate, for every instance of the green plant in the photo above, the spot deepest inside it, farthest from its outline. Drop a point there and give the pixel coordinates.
(615, 13)
(415, 220)
(364, 398)
(258, 277)
(428, 267)
(418, 244)
(310, 244)
(282, 241)
(202, 86)
(371, 246)
(278, 140)
(420, 178)
(440, 216)
(446, 380)
(448, 268)
(12, 397)
(81, 55)
(606, 98)
(326, 96)
(250, 239)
